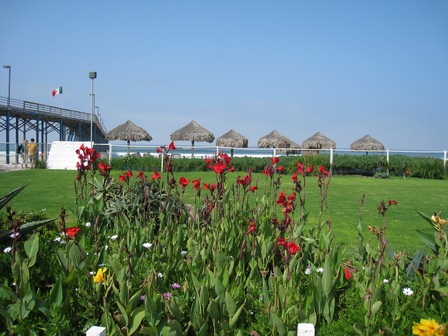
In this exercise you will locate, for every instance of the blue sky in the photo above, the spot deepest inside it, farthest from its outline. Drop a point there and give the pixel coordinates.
(344, 68)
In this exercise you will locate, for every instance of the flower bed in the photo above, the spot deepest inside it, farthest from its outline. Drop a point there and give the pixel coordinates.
(241, 259)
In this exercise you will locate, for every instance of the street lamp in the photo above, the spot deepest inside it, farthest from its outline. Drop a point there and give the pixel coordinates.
(92, 76)
(7, 114)
(9, 85)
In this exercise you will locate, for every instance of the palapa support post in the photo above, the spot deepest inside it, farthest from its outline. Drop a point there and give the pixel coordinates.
(96, 331)
(305, 329)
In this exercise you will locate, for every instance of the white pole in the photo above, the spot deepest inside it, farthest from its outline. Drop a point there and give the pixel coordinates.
(331, 157)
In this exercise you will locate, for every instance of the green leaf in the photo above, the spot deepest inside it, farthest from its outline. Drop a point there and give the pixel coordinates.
(230, 305)
(123, 312)
(9, 196)
(25, 228)
(235, 317)
(213, 311)
(31, 248)
(56, 293)
(326, 277)
(428, 239)
(136, 319)
(277, 323)
(375, 307)
(442, 290)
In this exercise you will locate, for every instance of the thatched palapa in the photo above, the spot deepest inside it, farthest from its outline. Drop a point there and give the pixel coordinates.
(293, 149)
(367, 143)
(318, 141)
(232, 139)
(274, 140)
(128, 132)
(192, 132)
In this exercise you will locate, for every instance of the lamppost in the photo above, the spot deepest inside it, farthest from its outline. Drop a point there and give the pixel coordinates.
(7, 114)
(92, 76)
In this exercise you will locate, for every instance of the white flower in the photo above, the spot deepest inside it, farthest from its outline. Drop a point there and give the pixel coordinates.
(88, 224)
(385, 281)
(106, 247)
(159, 275)
(7, 249)
(62, 242)
(92, 273)
(15, 235)
(57, 239)
(407, 291)
(114, 237)
(184, 252)
(147, 245)
(308, 270)
(320, 270)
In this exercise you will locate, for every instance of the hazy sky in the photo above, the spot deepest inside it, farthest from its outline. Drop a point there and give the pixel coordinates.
(344, 68)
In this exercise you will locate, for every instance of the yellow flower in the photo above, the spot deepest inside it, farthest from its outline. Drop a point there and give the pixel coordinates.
(428, 328)
(438, 222)
(99, 277)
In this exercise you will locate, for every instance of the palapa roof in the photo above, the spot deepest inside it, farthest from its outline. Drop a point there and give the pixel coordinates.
(274, 140)
(294, 148)
(367, 143)
(192, 132)
(129, 132)
(318, 141)
(232, 139)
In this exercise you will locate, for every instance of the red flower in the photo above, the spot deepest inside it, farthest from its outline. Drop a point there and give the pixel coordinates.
(347, 273)
(156, 176)
(280, 169)
(225, 158)
(196, 183)
(206, 186)
(294, 177)
(253, 188)
(281, 199)
(292, 197)
(171, 146)
(72, 231)
(282, 242)
(209, 163)
(322, 170)
(309, 169)
(252, 228)
(140, 174)
(392, 202)
(219, 167)
(231, 169)
(275, 160)
(267, 171)
(299, 168)
(293, 248)
(183, 182)
(244, 181)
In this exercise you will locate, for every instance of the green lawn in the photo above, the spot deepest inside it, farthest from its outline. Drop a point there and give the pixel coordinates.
(51, 189)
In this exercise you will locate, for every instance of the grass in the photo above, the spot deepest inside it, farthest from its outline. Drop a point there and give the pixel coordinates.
(51, 189)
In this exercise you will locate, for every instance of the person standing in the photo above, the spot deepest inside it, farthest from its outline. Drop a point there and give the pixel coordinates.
(31, 150)
(23, 156)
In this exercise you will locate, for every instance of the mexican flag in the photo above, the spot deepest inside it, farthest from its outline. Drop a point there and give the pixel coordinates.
(57, 91)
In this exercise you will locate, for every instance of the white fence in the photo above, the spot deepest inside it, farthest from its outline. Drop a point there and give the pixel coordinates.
(116, 150)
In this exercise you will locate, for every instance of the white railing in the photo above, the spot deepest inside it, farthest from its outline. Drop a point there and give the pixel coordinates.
(187, 151)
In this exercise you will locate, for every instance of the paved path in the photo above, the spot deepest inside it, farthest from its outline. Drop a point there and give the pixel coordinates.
(9, 167)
